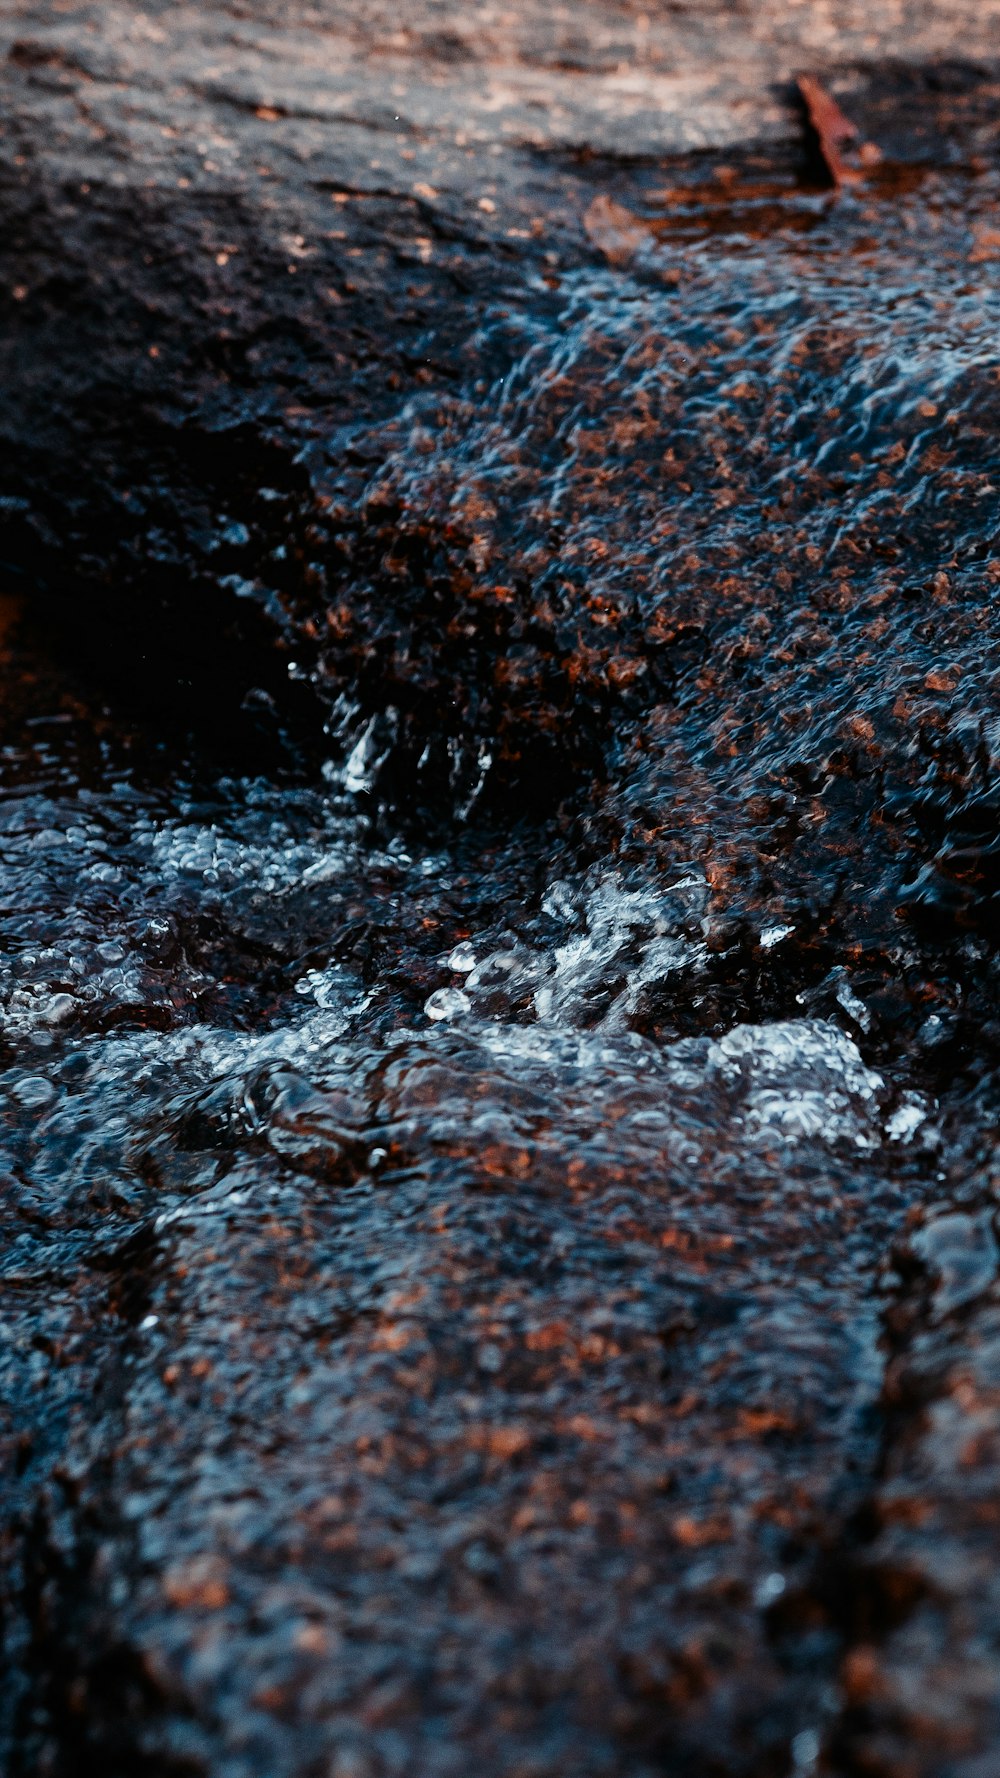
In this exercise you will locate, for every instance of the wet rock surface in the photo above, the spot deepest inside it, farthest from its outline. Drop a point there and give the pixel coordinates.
(498, 751)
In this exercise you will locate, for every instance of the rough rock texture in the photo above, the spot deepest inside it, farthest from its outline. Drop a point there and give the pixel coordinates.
(499, 757)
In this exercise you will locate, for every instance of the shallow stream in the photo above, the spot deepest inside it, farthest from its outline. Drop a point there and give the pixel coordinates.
(475, 1184)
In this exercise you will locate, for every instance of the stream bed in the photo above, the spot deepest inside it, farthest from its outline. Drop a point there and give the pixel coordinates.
(499, 1260)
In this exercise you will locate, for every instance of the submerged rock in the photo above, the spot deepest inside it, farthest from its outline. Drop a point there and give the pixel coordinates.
(498, 994)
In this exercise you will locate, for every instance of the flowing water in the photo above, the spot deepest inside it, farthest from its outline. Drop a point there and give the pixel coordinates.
(471, 1197)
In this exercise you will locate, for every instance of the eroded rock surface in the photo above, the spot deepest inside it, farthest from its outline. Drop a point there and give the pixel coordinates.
(499, 752)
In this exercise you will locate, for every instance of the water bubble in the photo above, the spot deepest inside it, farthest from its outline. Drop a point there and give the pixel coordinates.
(802, 1079)
(34, 1091)
(961, 1251)
(805, 1752)
(497, 968)
(59, 1008)
(768, 1590)
(447, 1003)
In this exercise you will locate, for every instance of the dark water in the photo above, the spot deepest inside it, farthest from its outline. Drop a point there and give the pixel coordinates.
(469, 1204)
